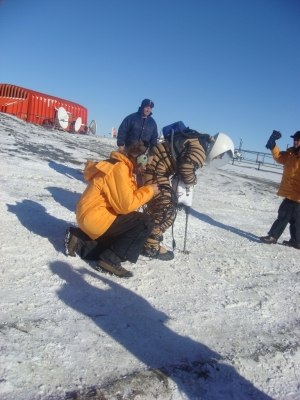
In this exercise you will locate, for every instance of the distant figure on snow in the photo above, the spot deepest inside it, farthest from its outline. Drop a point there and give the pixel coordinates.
(289, 209)
(138, 126)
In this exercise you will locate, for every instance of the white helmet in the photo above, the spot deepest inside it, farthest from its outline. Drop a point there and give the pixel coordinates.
(220, 151)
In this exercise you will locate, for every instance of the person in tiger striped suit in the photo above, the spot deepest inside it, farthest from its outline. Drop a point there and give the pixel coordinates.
(180, 157)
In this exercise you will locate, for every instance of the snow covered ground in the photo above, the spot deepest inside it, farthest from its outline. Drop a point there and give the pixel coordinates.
(219, 322)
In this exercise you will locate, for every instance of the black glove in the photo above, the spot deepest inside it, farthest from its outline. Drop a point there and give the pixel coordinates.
(272, 141)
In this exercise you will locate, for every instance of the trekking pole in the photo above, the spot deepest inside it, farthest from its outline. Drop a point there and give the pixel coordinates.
(187, 211)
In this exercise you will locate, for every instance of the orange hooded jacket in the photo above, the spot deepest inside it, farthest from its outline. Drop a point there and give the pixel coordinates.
(112, 190)
(290, 182)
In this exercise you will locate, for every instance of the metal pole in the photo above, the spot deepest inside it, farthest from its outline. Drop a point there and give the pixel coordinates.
(187, 211)
(241, 142)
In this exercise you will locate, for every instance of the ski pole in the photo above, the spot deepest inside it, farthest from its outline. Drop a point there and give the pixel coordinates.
(187, 211)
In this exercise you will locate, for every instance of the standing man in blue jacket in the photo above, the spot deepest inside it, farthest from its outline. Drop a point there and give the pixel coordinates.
(138, 126)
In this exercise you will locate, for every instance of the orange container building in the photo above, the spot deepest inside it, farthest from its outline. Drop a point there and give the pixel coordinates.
(38, 108)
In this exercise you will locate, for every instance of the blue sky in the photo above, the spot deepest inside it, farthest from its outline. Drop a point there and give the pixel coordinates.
(227, 66)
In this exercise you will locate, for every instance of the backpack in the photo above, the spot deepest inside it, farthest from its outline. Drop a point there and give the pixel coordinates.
(177, 133)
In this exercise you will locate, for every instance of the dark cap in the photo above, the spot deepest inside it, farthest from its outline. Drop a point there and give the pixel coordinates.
(147, 103)
(296, 136)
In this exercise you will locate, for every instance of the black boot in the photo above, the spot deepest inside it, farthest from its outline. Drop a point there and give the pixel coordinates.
(71, 242)
(268, 239)
(160, 254)
(290, 243)
(111, 262)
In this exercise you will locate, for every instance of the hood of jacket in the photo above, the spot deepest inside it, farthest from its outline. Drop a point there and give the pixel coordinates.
(93, 168)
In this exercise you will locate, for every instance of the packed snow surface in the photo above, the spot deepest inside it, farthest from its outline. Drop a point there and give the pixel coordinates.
(220, 321)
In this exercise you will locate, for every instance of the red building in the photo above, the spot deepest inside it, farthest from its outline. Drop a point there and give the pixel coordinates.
(40, 108)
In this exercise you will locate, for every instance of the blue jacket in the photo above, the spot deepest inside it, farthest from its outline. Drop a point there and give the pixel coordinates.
(135, 128)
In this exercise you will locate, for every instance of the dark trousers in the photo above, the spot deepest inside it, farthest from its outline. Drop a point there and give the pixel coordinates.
(125, 237)
(288, 212)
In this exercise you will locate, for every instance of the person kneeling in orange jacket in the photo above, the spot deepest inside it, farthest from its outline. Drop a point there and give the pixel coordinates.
(110, 228)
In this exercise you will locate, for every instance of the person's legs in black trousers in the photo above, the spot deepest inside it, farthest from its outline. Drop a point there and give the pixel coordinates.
(127, 235)
(77, 241)
(294, 228)
(285, 212)
(122, 241)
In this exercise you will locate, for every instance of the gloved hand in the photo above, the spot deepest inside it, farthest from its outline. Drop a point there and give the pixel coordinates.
(272, 140)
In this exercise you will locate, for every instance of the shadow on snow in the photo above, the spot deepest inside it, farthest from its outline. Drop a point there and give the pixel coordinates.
(64, 197)
(35, 218)
(67, 171)
(211, 221)
(141, 329)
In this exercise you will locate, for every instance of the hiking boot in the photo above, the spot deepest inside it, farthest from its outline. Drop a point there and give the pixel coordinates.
(291, 244)
(110, 262)
(160, 254)
(71, 242)
(268, 239)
